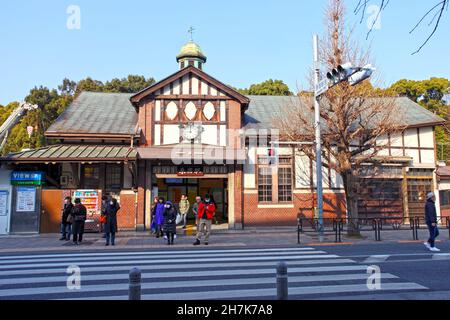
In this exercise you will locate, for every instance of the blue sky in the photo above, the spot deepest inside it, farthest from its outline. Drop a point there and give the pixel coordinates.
(246, 41)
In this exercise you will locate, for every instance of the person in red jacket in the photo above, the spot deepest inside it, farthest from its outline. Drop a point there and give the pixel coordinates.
(206, 212)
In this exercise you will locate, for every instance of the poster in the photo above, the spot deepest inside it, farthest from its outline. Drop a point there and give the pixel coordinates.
(26, 199)
(4, 202)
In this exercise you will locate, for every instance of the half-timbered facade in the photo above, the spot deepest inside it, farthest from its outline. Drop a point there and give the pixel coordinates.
(191, 134)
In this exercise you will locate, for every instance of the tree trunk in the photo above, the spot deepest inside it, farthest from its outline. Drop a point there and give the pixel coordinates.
(351, 198)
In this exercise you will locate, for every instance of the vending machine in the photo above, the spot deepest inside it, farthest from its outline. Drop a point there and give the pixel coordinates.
(91, 200)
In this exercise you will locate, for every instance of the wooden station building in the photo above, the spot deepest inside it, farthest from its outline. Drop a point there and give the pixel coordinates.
(186, 134)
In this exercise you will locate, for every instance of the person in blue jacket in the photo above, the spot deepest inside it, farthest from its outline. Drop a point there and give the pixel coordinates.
(159, 217)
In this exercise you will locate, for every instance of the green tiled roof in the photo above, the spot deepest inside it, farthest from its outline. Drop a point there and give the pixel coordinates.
(263, 109)
(113, 113)
(97, 113)
(74, 153)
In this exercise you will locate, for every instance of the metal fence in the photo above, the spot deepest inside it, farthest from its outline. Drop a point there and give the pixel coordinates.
(336, 226)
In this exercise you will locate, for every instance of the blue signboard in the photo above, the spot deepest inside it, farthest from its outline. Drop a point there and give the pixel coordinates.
(26, 178)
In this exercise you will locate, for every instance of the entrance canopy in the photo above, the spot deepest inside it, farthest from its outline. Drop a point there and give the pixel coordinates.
(74, 153)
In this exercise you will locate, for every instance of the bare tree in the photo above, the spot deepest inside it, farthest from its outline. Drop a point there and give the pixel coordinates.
(436, 12)
(354, 119)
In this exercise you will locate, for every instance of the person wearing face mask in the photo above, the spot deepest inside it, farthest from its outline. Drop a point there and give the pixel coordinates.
(79, 214)
(206, 212)
(111, 221)
(170, 226)
(159, 217)
(66, 224)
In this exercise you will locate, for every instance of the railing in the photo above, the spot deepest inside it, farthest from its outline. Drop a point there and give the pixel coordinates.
(335, 226)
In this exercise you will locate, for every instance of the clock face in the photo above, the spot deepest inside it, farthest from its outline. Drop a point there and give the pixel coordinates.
(191, 132)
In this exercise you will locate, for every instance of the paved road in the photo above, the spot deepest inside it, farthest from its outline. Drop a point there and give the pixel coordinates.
(410, 261)
(206, 273)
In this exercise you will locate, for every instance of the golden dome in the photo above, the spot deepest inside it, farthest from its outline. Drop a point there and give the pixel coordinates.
(191, 50)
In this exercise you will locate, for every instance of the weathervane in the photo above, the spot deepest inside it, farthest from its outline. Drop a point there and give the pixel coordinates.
(191, 31)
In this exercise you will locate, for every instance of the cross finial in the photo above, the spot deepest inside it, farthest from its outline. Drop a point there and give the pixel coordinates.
(191, 31)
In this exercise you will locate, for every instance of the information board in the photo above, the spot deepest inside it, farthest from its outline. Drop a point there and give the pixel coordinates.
(26, 199)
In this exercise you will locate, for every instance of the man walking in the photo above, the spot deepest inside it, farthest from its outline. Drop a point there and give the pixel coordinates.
(184, 209)
(206, 212)
(195, 206)
(431, 221)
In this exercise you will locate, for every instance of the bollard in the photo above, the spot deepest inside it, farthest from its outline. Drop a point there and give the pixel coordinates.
(376, 225)
(282, 281)
(447, 224)
(134, 292)
(298, 230)
(417, 227)
(413, 227)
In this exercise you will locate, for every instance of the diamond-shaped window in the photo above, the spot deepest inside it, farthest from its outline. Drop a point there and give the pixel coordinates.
(209, 111)
(190, 111)
(171, 110)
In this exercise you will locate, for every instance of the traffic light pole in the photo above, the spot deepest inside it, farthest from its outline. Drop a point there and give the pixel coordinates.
(319, 189)
(345, 72)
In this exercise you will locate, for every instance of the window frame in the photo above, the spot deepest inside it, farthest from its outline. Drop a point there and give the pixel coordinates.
(285, 163)
(121, 179)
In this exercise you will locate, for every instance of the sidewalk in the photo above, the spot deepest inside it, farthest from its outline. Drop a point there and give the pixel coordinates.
(250, 237)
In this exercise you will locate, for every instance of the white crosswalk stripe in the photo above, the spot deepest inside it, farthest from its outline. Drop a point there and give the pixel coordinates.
(188, 274)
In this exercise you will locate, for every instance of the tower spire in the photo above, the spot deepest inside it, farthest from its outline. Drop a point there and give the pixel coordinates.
(191, 54)
(191, 31)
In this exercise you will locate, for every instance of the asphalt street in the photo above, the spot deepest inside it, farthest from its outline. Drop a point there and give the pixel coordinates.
(408, 271)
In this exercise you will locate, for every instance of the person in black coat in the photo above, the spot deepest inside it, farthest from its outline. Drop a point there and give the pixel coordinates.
(170, 216)
(79, 214)
(66, 226)
(431, 221)
(111, 220)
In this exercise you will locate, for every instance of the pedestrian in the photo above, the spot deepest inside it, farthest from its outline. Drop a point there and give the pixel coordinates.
(66, 219)
(79, 214)
(111, 221)
(198, 200)
(431, 221)
(153, 215)
(206, 212)
(184, 209)
(103, 213)
(170, 226)
(159, 217)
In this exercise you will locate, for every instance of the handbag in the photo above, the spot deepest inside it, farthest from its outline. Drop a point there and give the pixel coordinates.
(103, 219)
(153, 227)
(69, 218)
(178, 219)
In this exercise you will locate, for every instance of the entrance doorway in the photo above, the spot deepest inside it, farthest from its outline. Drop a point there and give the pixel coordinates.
(172, 189)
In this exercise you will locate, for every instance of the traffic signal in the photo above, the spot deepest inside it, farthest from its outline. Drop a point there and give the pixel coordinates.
(340, 73)
(346, 72)
(361, 75)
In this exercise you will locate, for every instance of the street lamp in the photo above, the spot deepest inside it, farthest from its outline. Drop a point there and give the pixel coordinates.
(344, 72)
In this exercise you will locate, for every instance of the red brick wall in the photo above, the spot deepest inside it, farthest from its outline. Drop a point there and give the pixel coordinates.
(334, 205)
(445, 212)
(126, 216)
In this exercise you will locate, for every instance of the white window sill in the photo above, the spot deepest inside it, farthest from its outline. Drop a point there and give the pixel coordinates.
(275, 206)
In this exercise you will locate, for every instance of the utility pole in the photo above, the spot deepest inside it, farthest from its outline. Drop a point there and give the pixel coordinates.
(345, 72)
(319, 190)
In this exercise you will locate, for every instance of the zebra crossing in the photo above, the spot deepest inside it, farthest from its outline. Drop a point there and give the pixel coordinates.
(194, 274)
